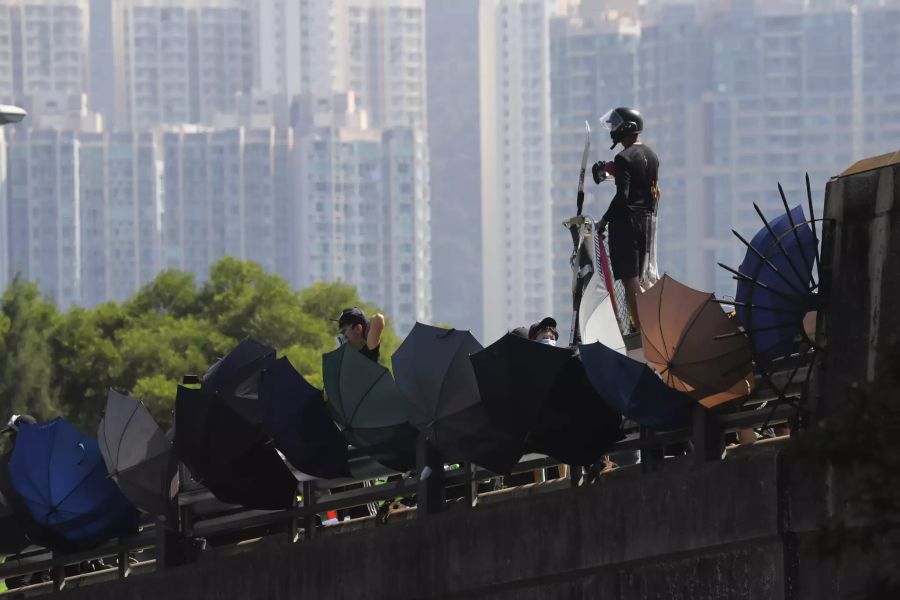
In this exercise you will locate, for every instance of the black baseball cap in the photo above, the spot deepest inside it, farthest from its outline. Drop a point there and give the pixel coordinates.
(352, 316)
(545, 323)
(17, 420)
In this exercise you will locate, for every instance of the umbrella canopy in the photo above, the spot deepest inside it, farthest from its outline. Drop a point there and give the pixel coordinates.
(296, 416)
(538, 392)
(692, 343)
(515, 377)
(575, 424)
(435, 375)
(366, 404)
(59, 475)
(633, 389)
(138, 455)
(13, 534)
(235, 377)
(233, 459)
(774, 287)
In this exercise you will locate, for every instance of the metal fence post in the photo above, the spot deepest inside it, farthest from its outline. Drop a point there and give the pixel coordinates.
(707, 436)
(309, 503)
(429, 491)
(650, 455)
(124, 567)
(58, 573)
(470, 484)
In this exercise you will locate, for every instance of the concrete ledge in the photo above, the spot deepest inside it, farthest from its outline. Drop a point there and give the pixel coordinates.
(709, 532)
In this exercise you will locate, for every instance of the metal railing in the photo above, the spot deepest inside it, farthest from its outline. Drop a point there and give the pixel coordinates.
(203, 517)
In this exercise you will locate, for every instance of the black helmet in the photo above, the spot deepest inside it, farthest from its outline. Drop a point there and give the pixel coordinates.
(622, 122)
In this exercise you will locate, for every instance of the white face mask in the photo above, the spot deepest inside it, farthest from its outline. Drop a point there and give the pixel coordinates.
(548, 341)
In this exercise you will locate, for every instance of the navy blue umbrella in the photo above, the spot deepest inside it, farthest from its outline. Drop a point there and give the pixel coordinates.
(296, 416)
(633, 389)
(774, 284)
(60, 477)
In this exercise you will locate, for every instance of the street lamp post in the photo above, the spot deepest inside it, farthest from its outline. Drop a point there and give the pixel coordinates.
(11, 114)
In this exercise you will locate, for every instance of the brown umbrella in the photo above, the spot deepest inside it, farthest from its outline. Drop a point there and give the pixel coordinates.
(693, 344)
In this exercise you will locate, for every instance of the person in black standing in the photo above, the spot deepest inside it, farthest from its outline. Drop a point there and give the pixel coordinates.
(361, 333)
(630, 214)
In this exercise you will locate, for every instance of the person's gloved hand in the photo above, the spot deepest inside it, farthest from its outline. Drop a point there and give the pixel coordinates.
(601, 170)
(597, 171)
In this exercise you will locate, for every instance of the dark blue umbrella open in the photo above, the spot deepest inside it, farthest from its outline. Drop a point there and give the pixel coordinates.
(61, 478)
(775, 283)
(297, 418)
(633, 389)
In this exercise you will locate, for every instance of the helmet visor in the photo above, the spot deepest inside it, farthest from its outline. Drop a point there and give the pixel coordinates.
(612, 120)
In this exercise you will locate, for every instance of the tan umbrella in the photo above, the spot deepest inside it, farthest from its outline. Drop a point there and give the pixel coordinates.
(692, 343)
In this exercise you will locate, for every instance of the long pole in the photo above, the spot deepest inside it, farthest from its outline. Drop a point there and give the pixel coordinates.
(574, 226)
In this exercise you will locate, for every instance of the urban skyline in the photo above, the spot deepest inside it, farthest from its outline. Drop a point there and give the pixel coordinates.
(425, 151)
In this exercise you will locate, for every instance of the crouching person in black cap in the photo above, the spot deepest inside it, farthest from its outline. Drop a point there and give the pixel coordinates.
(361, 333)
(544, 331)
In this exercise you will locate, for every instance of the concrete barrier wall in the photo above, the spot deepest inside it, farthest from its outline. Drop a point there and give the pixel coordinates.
(712, 532)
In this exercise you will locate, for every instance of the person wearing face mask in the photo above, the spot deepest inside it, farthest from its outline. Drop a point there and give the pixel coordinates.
(544, 331)
(361, 333)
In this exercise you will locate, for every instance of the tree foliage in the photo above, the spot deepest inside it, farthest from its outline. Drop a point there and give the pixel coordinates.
(56, 363)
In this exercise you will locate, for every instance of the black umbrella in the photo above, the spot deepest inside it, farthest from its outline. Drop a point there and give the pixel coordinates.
(233, 459)
(575, 425)
(138, 455)
(515, 378)
(295, 415)
(366, 404)
(235, 377)
(13, 534)
(435, 375)
(542, 391)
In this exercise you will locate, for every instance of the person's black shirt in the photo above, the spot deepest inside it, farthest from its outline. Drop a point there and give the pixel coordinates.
(636, 173)
(371, 353)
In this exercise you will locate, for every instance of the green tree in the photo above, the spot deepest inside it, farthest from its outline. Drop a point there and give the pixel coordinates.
(242, 299)
(170, 293)
(86, 360)
(65, 363)
(26, 366)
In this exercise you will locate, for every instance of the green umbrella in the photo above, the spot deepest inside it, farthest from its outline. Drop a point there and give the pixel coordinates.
(366, 404)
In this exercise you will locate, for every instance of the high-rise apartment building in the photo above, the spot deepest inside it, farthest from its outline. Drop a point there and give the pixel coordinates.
(297, 47)
(878, 60)
(43, 233)
(227, 193)
(119, 213)
(593, 65)
(515, 156)
(359, 190)
(43, 49)
(180, 61)
(83, 213)
(454, 126)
